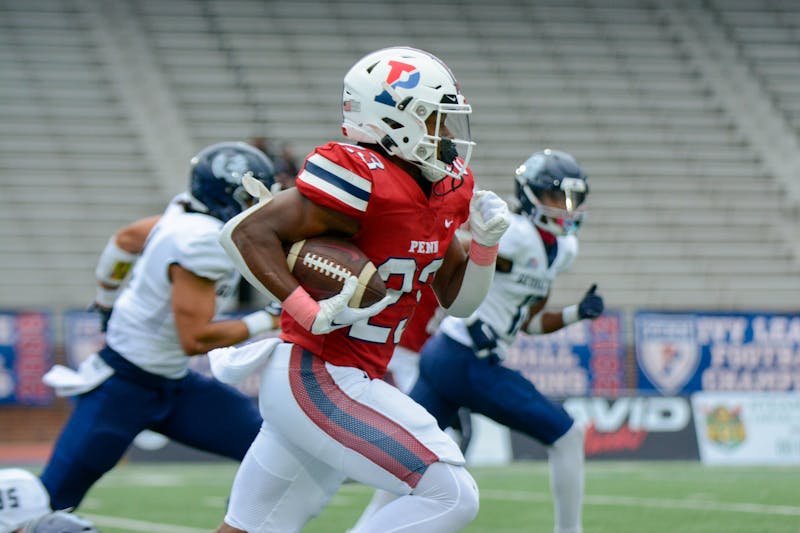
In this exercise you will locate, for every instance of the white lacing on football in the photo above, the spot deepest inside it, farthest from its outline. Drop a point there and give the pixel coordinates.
(326, 266)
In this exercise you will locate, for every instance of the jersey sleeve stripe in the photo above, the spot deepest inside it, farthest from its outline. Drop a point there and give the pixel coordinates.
(348, 176)
(333, 191)
(337, 181)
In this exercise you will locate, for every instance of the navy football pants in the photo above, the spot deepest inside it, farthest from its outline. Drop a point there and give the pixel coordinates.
(194, 410)
(452, 376)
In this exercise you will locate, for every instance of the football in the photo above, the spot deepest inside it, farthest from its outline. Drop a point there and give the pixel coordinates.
(322, 264)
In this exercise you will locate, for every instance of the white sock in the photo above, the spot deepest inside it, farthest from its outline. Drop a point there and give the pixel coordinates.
(566, 480)
(444, 501)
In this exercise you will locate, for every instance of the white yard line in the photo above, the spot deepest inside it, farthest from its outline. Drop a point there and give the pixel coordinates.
(662, 503)
(505, 495)
(140, 525)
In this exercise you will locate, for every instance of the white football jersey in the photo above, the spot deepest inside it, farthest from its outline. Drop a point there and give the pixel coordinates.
(512, 293)
(142, 326)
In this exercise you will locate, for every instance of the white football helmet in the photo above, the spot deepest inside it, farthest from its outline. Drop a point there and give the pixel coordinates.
(388, 97)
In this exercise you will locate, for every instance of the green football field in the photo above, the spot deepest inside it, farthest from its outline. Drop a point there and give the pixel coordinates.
(652, 497)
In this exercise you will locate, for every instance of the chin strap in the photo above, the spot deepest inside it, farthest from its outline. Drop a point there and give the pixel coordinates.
(547, 238)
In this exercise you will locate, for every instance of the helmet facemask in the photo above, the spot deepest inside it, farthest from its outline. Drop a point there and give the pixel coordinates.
(556, 220)
(447, 150)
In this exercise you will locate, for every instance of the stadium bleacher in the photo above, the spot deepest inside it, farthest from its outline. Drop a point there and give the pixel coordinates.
(103, 102)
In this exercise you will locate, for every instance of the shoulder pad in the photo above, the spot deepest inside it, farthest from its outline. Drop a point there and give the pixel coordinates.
(520, 235)
(567, 251)
(339, 176)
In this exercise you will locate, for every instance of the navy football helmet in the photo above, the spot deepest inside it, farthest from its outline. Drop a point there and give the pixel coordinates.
(215, 178)
(552, 176)
(60, 522)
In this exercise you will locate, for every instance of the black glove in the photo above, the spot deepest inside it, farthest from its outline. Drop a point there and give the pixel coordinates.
(592, 304)
(104, 312)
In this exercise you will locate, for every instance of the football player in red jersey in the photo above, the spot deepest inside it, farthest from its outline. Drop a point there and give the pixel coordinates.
(399, 194)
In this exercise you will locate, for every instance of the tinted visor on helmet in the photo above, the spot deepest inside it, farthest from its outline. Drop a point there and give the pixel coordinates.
(563, 206)
(571, 191)
(558, 221)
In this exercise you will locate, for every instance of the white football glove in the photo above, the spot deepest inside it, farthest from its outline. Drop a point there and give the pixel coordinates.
(488, 218)
(334, 313)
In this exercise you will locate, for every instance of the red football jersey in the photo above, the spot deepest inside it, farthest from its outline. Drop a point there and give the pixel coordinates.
(423, 322)
(403, 232)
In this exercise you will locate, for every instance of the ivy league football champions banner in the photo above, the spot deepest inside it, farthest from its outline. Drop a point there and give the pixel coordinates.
(682, 353)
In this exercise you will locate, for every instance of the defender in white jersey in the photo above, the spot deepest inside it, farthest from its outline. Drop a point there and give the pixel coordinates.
(170, 310)
(462, 365)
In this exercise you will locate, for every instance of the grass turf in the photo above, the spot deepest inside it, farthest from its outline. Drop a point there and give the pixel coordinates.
(621, 497)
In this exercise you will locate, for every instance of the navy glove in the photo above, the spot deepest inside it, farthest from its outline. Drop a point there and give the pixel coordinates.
(592, 304)
(484, 337)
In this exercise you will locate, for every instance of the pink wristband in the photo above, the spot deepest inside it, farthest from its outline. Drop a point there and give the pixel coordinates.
(482, 255)
(302, 307)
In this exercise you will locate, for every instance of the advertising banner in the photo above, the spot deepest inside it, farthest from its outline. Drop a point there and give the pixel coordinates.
(645, 428)
(584, 359)
(682, 353)
(741, 428)
(26, 353)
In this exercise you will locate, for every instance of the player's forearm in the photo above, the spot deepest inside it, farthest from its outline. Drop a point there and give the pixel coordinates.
(548, 322)
(214, 335)
(475, 281)
(263, 254)
(133, 237)
(254, 239)
(227, 333)
(253, 246)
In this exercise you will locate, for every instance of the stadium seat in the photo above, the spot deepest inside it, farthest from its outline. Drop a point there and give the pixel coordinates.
(683, 204)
